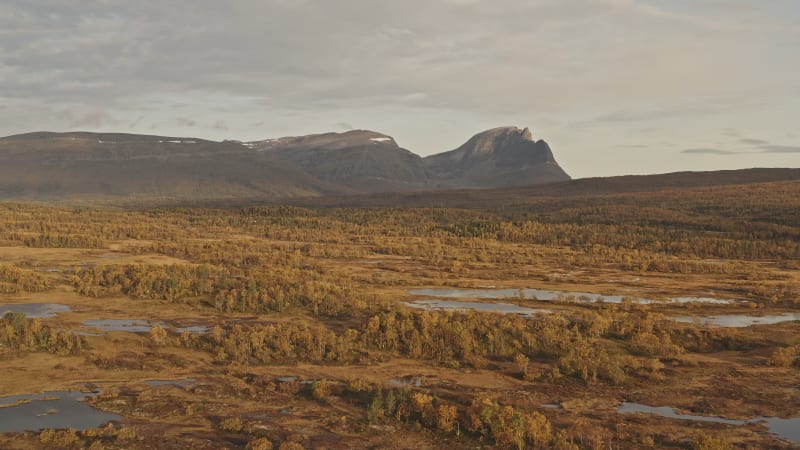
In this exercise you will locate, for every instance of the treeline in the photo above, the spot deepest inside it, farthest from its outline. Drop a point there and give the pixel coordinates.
(619, 235)
(607, 345)
(504, 425)
(253, 289)
(15, 279)
(640, 231)
(19, 334)
(482, 417)
(634, 237)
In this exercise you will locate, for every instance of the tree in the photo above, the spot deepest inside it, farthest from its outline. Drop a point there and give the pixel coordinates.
(158, 336)
(446, 417)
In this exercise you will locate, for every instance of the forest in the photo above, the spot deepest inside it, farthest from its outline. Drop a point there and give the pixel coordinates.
(289, 327)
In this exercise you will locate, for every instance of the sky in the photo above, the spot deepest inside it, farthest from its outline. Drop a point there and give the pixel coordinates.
(614, 86)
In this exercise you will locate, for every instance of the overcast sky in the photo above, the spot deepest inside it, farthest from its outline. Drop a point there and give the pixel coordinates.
(615, 86)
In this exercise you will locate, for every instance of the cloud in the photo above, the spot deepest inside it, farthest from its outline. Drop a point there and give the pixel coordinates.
(731, 132)
(429, 72)
(753, 141)
(219, 125)
(352, 53)
(707, 151)
(345, 126)
(186, 122)
(780, 148)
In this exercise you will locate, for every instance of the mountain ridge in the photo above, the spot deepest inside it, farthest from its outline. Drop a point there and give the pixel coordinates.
(360, 160)
(47, 165)
(79, 165)
(581, 189)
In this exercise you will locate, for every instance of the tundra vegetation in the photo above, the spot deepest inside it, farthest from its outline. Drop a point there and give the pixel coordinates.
(287, 327)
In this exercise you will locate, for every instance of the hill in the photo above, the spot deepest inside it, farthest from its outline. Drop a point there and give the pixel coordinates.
(575, 191)
(85, 166)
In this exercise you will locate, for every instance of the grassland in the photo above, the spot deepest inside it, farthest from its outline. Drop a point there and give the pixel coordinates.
(309, 342)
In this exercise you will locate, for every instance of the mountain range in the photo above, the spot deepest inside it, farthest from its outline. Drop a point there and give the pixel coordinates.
(85, 166)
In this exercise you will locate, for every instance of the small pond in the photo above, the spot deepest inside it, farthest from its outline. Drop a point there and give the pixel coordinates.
(131, 325)
(788, 429)
(136, 326)
(551, 406)
(412, 381)
(35, 310)
(289, 379)
(286, 379)
(544, 295)
(196, 329)
(57, 410)
(180, 383)
(502, 308)
(740, 320)
(666, 411)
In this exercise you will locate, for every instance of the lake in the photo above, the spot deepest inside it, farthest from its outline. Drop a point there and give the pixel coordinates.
(788, 429)
(502, 308)
(56, 410)
(35, 310)
(551, 296)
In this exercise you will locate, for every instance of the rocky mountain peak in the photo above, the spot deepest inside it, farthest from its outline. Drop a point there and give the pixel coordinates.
(500, 156)
(490, 141)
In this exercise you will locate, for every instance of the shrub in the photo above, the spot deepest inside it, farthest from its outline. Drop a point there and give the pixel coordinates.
(232, 424)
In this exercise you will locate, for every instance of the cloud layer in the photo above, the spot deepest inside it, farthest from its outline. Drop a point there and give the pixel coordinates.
(596, 78)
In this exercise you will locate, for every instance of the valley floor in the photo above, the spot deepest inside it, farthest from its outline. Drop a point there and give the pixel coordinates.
(283, 327)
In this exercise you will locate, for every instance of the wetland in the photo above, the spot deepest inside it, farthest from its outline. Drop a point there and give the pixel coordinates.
(422, 328)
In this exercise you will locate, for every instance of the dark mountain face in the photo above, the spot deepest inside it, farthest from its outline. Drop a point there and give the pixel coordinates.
(54, 166)
(363, 161)
(506, 156)
(80, 165)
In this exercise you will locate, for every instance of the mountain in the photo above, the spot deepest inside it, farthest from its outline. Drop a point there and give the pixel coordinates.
(362, 161)
(370, 162)
(506, 156)
(356, 168)
(85, 166)
(58, 166)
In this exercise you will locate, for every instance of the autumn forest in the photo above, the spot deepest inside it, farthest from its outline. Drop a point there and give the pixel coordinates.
(567, 322)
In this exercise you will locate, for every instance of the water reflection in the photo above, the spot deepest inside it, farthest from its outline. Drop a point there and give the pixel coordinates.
(502, 308)
(788, 429)
(35, 310)
(545, 295)
(411, 381)
(740, 320)
(136, 326)
(198, 329)
(180, 383)
(56, 410)
(130, 325)
(666, 411)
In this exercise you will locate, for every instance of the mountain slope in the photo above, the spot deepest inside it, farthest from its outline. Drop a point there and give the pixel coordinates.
(52, 166)
(576, 191)
(82, 165)
(364, 161)
(506, 156)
